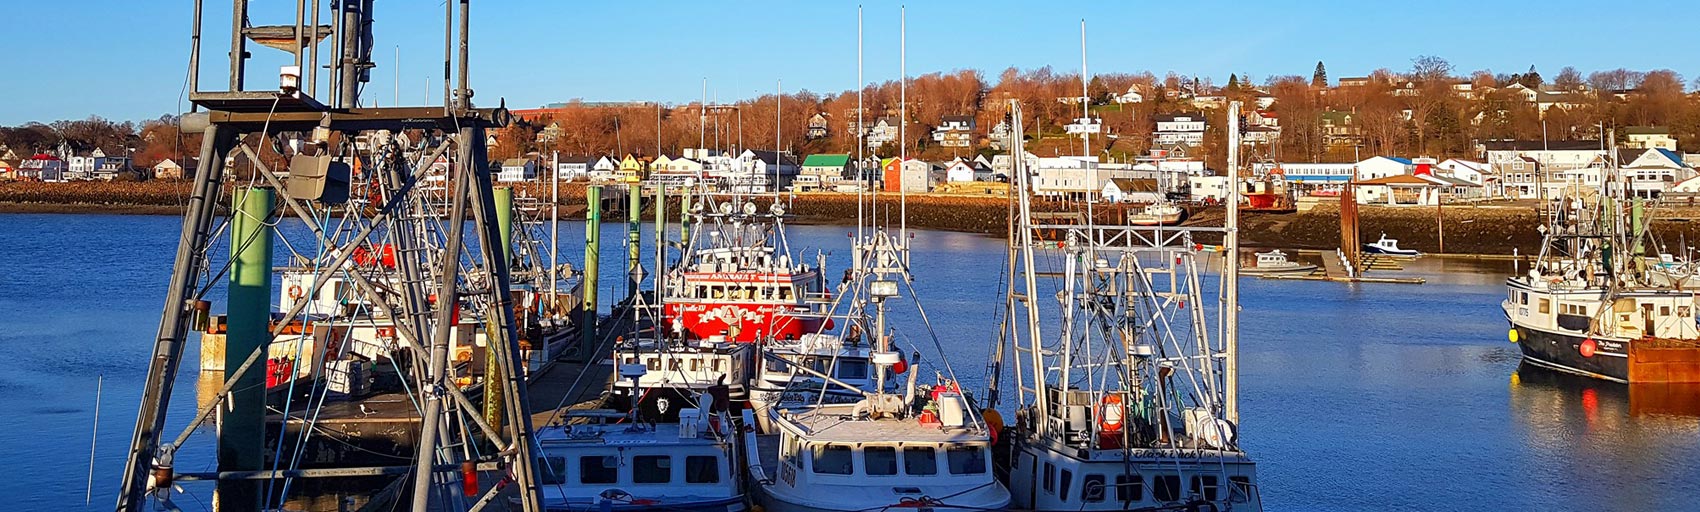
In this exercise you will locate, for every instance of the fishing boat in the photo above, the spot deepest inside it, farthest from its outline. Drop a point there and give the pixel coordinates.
(898, 446)
(603, 460)
(1590, 305)
(740, 280)
(819, 367)
(1157, 214)
(1127, 397)
(678, 371)
(1275, 262)
(1390, 247)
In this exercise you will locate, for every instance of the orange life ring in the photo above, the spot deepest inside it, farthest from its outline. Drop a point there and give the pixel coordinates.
(295, 292)
(1111, 413)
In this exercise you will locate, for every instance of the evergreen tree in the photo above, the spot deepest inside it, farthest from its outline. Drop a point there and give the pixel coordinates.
(1532, 79)
(1233, 82)
(1320, 77)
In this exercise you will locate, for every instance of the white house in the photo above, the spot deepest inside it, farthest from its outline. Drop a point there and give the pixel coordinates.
(1208, 187)
(1131, 190)
(1185, 129)
(760, 172)
(884, 130)
(1131, 96)
(574, 167)
(959, 170)
(1651, 172)
(1398, 190)
(1648, 137)
(1383, 166)
(1551, 155)
(42, 167)
(517, 169)
(955, 131)
(604, 169)
(1004, 164)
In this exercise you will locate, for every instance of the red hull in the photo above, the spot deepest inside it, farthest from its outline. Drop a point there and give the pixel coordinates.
(743, 321)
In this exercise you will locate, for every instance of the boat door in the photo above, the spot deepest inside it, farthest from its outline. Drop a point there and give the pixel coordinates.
(1647, 318)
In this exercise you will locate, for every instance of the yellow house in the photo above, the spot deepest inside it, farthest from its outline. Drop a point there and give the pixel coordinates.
(631, 170)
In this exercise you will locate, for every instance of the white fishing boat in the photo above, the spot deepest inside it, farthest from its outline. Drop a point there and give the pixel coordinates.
(817, 368)
(898, 447)
(605, 460)
(1390, 247)
(1157, 214)
(1276, 262)
(677, 371)
(1127, 397)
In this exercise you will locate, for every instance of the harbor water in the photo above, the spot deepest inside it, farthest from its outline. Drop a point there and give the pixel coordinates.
(1354, 397)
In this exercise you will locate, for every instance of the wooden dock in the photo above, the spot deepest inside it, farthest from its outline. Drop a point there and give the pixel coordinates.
(1334, 270)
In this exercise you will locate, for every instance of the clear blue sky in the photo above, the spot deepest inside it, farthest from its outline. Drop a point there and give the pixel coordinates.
(126, 59)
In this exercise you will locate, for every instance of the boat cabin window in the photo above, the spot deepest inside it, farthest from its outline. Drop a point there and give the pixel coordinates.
(852, 370)
(971, 460)
(598, 469)
(655, 364)
(696, 365)
(1067, 478)
(554, 470)
(714, 366)
(1130, 487)
(631, 360)
(880, 460)
(702, 469)
(1523, 298)
(1205, 485)
(1546, 306)
(1239, 488)
(920, 460)
(1050, 478)
(652, 469)
(778, 365)
(832, 459)
(1166, 488)
(785, 293)
(1092, 489)
(673, 365)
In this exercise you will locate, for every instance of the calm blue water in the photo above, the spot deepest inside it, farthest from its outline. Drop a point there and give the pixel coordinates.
(1369, 397)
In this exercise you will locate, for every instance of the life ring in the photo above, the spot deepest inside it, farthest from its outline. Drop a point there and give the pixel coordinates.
(1110, 413)
(295, 292)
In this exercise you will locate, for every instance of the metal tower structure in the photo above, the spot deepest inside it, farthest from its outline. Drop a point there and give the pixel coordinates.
(401, 182)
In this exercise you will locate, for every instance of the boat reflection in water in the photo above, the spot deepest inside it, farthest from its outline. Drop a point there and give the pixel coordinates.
(1539, 392)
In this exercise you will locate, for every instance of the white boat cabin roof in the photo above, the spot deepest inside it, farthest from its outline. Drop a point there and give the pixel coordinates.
(833, 424)
(621, 435)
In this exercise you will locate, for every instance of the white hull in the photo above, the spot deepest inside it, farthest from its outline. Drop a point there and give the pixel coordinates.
(1227, 480)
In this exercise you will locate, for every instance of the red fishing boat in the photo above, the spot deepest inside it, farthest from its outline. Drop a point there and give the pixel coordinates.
(739, 281)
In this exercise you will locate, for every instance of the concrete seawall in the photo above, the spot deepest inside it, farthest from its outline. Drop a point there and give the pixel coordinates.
(1489, 230)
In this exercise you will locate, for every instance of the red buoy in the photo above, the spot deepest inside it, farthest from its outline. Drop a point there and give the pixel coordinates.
(1587, 348)
(469, 478)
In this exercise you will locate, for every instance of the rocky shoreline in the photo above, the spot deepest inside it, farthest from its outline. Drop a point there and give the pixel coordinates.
(1484, 230)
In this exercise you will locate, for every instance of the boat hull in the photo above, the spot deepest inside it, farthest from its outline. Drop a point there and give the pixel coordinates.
(1563, 352)
(714, 505)
(745, 322)
(1374, 249)
(1233, 477)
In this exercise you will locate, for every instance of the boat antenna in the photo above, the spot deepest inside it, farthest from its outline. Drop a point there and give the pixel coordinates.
(903, 123)
(861, 133)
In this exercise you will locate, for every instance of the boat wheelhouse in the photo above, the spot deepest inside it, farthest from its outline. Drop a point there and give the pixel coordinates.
(1390, 247)
(1276, 262)
(593, 464)
(851, 457)
(741, 282)
(676, 372)
(1157, 214)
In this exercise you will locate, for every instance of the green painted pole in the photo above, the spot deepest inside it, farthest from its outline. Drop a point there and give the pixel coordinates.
(241, 428)
(660, 241)
(1637, 216)
(592, 248)
(634, 234)
(685, 216)
(505, 220)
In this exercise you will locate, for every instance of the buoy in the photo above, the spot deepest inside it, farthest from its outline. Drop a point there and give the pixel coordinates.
(295, 292)
(1110, 413)
(994, 422)
(1587, 348)
(1512, 335)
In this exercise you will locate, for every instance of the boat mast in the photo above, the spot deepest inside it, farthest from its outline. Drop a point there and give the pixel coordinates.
(861, 133)
(1028, 269)
(554, 229)
(1231, 275)
(903, 125)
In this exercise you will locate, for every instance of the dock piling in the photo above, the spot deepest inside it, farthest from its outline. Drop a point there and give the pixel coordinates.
(241, 429)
